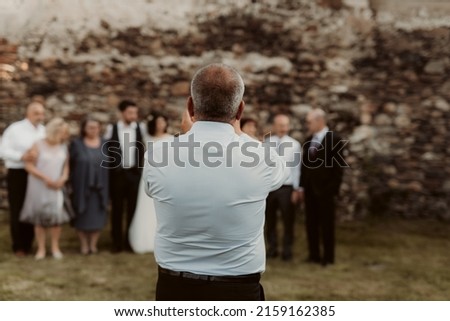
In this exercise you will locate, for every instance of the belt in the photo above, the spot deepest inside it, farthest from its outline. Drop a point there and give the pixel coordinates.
(247, 278)
(133, 169)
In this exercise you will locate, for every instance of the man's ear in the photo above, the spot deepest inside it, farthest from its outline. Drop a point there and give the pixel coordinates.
(240, 110)
(190, 106)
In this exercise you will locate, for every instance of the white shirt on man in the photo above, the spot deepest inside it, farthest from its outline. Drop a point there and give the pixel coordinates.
(210, 212)
(319, 136)
(18, 138)
(289, 150)
(127, 139)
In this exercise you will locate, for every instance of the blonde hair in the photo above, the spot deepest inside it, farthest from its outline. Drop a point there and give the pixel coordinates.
(53, 127)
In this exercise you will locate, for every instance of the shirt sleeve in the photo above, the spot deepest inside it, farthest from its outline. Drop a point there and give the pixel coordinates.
(297, 166)
(143, 128)
(7, 147)
(279, 171)
(108, 132)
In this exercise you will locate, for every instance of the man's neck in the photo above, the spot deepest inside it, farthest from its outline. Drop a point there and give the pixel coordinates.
(34, 125)
(319, 131)
(281, 135)
(126, 123)
(215, 120)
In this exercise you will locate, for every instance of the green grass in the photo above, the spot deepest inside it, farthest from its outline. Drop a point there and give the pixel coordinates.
(377, 259)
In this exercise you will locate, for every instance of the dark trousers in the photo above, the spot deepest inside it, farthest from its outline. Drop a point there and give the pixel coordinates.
(22, 234)
(124, 186)
(177, 288)
(320, 226)
(280, 199)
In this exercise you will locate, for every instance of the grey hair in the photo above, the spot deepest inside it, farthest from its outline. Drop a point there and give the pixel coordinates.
(319, 113)
(216, 90)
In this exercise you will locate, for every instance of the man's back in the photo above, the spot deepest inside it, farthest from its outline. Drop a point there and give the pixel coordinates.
(210, 200)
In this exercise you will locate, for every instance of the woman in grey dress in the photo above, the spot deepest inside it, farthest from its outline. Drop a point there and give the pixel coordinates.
(89, 185)
(43, 206)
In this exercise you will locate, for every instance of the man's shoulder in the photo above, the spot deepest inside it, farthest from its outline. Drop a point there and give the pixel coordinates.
(291, 140)
(14, 126)
(333, 135)
(244, 138)
(41, 128)
(18, 123)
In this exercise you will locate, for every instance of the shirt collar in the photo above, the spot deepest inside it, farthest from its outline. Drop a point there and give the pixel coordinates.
(212, 126)
(121, 124)
(30, 124)
(321, 134)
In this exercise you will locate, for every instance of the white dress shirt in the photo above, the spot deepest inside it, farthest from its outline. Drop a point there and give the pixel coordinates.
(17, 139)
(289, 150)
(211, 218)
(127, 139)
(319, 136)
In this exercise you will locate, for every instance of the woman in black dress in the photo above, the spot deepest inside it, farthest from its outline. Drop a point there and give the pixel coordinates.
(89, 184)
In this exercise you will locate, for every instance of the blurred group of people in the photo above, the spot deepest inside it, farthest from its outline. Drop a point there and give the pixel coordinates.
(54, 179)
(315, 181)
(209, 223)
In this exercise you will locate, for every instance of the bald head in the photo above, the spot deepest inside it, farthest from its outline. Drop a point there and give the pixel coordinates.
(316, 120)
(217, 91)
(35, 113)
(281, 125)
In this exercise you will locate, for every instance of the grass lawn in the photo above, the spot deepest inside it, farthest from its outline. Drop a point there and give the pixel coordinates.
(377, 259)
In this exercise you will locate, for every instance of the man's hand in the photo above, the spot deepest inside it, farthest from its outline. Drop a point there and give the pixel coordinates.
(294, 197)
(30, 155)
(297, 196)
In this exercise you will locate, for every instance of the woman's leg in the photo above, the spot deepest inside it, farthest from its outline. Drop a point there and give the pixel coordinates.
(94, 236)
(84, 245)
(55, 235)
(40, 239)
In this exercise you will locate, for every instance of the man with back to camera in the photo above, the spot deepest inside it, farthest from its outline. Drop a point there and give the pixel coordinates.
(322, 169)
(125, 149)
(209, 204)
(286, 197)
(16, 143)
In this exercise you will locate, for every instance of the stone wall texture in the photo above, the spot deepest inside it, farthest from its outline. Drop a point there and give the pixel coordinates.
(384, 83)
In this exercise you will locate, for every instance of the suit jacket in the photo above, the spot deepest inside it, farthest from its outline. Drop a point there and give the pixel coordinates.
(324, 175)
(113, 150)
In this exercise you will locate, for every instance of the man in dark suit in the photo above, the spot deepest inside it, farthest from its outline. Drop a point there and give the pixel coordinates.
(125, 149)
(321, 176)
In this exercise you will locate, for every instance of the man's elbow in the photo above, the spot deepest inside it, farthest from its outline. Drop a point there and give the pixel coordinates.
(282, 174)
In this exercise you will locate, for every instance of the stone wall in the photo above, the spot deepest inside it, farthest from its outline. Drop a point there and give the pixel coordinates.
(384, 87)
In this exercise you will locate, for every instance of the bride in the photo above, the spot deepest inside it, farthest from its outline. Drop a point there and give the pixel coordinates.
(143, 226)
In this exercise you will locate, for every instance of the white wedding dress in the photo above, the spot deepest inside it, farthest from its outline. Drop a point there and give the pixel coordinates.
(143, 226)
